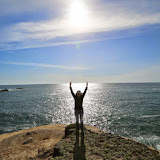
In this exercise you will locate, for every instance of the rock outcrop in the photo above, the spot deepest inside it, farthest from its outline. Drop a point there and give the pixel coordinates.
(62, 142)
(4, 90)
(26, 144)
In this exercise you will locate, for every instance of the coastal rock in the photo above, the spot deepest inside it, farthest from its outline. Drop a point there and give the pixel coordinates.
(62, 142)
(12, 147)
(4, 90)
(95, 145)
(28, 140)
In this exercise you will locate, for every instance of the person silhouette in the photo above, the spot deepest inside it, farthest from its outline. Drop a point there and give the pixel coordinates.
(78, 97)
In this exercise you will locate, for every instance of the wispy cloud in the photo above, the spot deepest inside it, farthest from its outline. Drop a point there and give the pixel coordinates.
(23, 45)
(149, 74)
(102, 17)
(44, 65)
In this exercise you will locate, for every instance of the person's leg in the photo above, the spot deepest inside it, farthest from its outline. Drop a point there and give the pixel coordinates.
(81, 119)
(77, 119)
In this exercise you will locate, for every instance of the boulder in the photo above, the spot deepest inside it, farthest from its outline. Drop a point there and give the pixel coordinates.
(4, 90)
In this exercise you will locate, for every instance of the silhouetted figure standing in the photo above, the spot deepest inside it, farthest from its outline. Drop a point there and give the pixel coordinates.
(78, 97)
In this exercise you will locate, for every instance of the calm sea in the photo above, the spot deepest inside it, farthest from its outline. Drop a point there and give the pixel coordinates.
(129, 109)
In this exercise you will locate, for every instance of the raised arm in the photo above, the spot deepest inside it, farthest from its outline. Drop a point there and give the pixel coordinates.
(85, 89)
(72, 90)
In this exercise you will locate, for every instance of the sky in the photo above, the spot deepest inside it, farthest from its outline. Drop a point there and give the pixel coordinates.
(59, 41)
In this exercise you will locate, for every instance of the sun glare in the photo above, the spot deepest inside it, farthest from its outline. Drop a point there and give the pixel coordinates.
(78, 15)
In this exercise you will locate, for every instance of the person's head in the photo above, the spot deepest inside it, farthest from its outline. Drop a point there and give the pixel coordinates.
(78, 93)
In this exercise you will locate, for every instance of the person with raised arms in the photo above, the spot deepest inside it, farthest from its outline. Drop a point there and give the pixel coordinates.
(78, 97)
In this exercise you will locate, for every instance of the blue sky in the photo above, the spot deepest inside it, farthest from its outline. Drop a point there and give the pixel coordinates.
(79, 40)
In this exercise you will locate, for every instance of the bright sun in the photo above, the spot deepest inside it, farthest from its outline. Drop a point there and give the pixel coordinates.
(78, 15)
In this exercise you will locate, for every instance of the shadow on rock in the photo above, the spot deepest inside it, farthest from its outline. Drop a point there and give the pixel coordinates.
(79, 148)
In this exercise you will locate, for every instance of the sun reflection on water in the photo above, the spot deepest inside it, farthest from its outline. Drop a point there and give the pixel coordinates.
(96, 109)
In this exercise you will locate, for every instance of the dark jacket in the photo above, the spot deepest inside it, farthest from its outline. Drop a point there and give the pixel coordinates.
(78, 100)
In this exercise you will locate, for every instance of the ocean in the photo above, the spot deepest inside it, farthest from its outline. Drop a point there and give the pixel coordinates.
(126, 109)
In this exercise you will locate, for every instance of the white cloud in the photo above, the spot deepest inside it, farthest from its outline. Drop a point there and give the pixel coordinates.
(45, 65)
(48, 30)
(102, 17)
